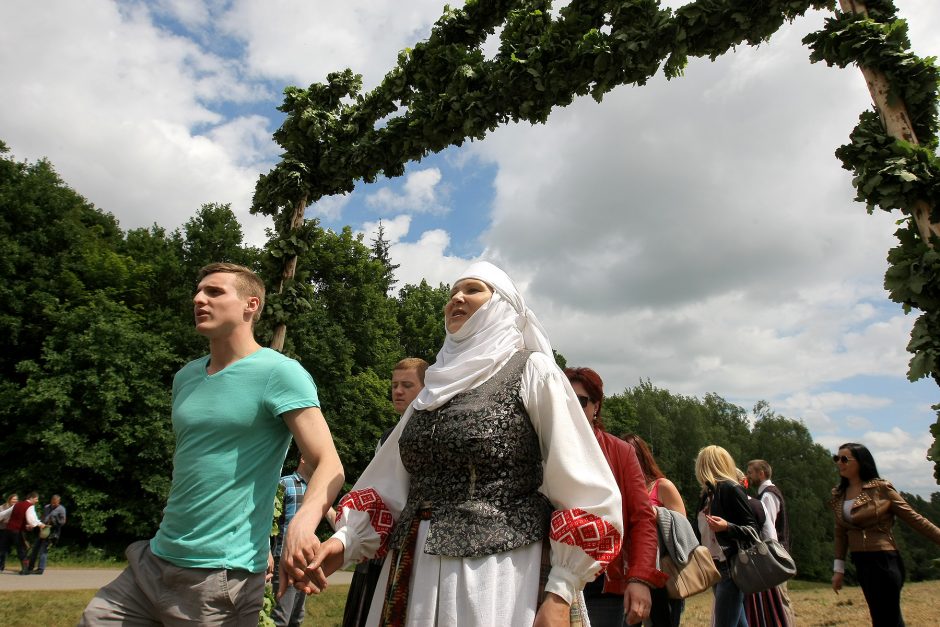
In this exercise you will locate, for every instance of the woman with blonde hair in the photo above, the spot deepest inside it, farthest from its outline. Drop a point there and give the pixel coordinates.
(723, 518)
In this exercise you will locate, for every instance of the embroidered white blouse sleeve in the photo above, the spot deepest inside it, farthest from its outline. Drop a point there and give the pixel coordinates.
(577, 480)
(366, 514)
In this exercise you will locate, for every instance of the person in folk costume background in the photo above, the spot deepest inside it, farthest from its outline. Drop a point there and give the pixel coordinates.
(491, 472)
(764, 608)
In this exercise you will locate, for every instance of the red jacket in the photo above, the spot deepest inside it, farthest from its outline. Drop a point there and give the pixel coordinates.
(640, 540)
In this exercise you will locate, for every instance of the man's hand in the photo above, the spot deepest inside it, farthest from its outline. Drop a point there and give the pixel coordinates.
(269, 573)
(301, 545)
(636, 602)
(553, 612)
(300, 548)
(837, 581)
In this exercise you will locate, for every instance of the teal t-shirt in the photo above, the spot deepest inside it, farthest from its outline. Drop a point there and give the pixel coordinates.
(230, 446)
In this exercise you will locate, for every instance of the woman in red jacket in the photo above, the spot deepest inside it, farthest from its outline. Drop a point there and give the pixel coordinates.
(624, 590)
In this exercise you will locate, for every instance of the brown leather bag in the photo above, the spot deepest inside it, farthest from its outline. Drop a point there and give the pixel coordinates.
(695, 576)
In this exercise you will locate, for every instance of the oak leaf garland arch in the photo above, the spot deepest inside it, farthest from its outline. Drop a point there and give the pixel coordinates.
(444, 91)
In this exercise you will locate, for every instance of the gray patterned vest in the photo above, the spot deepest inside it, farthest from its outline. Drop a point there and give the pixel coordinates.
(477, 464)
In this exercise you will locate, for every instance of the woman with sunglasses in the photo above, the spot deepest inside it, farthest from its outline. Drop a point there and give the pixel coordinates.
(624, 590)
(489, 496)
(865, 506)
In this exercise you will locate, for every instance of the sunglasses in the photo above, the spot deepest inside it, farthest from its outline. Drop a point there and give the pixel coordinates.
(842, 458)
(584, 400)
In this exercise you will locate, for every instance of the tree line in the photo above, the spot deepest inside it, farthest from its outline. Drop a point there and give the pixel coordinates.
(97, 320)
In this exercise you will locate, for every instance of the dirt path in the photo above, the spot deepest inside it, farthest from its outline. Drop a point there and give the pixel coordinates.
(87, 579)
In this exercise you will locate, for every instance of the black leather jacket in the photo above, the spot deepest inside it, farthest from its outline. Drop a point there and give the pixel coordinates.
(729, 501)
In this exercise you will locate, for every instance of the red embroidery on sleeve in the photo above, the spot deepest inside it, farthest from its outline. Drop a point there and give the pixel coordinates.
(591, 534)
(370, 502)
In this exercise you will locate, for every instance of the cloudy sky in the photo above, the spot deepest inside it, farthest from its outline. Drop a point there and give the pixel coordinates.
(698, 233)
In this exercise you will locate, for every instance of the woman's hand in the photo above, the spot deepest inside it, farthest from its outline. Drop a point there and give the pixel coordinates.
(553, 612)
(837, 581)
(329, 558)
(636, 602)
(716, 523)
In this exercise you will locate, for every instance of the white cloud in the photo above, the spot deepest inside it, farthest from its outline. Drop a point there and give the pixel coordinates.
(816, 410)
(394, 229)
(427, 259)
(125, 119)
(419, 194)
(330, 207)
(302, 41)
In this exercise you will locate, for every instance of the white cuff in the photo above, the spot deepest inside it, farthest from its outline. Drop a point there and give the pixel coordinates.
(838, 566)
(564, 583)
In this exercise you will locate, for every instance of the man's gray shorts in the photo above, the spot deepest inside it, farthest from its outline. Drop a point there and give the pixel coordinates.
(152, 591)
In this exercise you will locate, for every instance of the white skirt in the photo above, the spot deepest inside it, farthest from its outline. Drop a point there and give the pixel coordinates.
(500, 589)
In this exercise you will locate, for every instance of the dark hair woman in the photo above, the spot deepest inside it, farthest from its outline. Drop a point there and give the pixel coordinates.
(664, 612)
(487, 474)
(865, 506)
(624, 590)
(723, 514)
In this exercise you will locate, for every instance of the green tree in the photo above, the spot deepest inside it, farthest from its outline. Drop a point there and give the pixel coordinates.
(421, 319)
(381, 252)
(214, 234)
(95, 409)
(921, 556)
(348, 338)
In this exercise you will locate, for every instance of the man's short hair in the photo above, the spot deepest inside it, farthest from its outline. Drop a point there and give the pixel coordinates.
(247, 282)
(413, 363)
(32, 495)
(761, 466)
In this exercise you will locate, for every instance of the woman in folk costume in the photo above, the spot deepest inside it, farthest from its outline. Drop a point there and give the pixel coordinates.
(487, 476)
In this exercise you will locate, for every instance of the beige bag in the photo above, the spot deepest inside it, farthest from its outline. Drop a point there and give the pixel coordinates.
(695, 576)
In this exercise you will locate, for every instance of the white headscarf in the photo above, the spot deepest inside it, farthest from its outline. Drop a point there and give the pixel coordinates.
(484, 343)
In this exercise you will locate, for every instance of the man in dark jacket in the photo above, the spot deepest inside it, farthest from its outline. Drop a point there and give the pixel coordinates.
(53, 515)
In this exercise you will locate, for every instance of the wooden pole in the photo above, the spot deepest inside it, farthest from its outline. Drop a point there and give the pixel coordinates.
(290, 269)
(896, 121)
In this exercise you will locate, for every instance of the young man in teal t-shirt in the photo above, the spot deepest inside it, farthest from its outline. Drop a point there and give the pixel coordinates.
(234, 411)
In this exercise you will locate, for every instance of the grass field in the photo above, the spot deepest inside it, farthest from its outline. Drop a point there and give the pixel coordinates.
(816, 606)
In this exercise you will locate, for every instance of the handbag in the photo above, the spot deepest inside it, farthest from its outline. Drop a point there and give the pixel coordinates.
(697, 575)
(760, 564)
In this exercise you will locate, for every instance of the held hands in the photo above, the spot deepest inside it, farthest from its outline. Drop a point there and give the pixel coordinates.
(636, 602)
(553, 612)
(301, 546)
(329, 558)
(837, 581)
